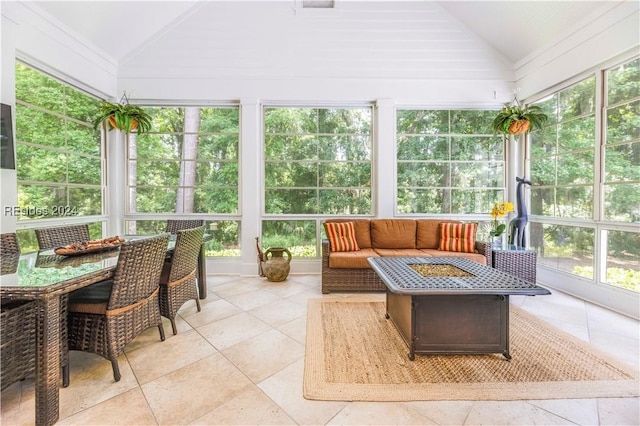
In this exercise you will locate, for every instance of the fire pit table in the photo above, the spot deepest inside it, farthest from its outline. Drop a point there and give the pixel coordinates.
(450, 305)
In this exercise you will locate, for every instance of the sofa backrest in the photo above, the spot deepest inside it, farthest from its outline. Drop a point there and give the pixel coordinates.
(393, 233)
(362, 230)
(428, 232)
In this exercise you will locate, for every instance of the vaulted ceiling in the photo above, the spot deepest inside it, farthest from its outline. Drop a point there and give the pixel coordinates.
(397, 38)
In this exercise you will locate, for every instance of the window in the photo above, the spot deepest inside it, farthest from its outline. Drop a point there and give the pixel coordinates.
(58, 151)
(188, 163)
(448, 162)
(604, 246)
(317, 162)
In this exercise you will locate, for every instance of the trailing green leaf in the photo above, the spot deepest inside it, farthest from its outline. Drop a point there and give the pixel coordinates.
(124, 116)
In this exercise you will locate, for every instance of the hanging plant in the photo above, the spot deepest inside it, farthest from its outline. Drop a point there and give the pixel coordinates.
(514, 119)
(124, 117)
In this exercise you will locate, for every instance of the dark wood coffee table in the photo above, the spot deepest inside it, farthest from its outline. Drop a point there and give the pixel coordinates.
(450, 314)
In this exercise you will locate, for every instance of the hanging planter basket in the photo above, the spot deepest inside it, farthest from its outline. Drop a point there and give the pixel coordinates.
(514, 119)
(519, 127)
(123, 116)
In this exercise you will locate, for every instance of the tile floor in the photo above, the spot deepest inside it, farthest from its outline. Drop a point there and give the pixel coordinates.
(241, 360)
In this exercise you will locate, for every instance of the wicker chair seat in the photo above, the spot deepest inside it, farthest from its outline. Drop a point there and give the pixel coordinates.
(105, 327)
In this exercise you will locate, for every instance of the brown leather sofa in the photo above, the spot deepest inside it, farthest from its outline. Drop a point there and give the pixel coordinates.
(350, 270)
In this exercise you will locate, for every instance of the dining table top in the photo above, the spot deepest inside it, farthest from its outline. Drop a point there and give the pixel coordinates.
(40, 273)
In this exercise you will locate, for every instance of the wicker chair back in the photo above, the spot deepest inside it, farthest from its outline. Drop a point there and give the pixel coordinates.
(55, 237)
(9, 244)
(174, 225)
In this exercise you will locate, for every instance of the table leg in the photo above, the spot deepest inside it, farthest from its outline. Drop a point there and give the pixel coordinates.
(48, 361)
(202, 273)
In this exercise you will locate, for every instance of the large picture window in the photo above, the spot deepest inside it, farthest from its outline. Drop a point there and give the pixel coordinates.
(58, 151)
(448, 162)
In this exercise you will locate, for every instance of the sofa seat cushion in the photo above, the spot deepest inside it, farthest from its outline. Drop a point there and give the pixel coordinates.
(476, 257)
(361, 229)
(393, 233)
(351, 259)
(428, 232)
(399, 252)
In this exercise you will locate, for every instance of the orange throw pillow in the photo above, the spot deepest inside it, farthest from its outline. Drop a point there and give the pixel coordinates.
(458, 237)
(341, 236)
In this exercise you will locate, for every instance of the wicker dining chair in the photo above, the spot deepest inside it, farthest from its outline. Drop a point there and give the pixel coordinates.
(178, 279)
(104, 317)
(59, 236)
(9, 244)
(175, 225)
(17, 341)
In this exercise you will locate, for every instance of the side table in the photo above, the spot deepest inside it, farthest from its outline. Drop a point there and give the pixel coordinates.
(517, 261)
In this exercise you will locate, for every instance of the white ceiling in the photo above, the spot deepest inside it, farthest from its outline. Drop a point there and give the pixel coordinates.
(515, 29)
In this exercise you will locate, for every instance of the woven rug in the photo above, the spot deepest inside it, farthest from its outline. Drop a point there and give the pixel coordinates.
(354, 354)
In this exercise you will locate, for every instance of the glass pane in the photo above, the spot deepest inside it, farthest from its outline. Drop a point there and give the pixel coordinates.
(622, 123)
(344, 148)
(40, 165)
(565, 248)
(80, 105)
(574, 202)
(83, 139)
(39, 127)
(144, 227)
(477, 175)
(216, 200)
(220, 147)
(423, 174)
(87, 201)
(623, 259)
(290, 147)
(37, 201)
(473, 201)
(290, 120)
(226, 238)
(159, 200)
(424, 200)
(577, 134)
(298, 236)
(345, 175)
(39, 89)
(544, 143)
(577, 100)
(84, 170)
(149, 146)
(344, 120)
(543, 171)
(623, 82)
(423, 148)
(345, 202)
(217, 174)
(622, 202)
(291, 174)
(472, 121)
(291, 201)
(543, 201)
(158, 173)
(477, 149)
(220, 120)
(575, 168)
(422, 121)
(622, 162)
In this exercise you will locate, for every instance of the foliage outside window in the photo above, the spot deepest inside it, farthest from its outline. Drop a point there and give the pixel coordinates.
(449, 162)
(58, 152)
(562, 154)
(563, 171)
(299, 236)
(317, 161)
(188, 163)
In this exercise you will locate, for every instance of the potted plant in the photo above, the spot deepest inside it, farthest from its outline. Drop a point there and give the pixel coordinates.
(124, 117)
(514, 119)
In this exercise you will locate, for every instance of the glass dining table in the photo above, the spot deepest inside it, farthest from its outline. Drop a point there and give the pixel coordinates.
(46, 278)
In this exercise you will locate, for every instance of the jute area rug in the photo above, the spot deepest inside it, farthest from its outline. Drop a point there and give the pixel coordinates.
(354, 354)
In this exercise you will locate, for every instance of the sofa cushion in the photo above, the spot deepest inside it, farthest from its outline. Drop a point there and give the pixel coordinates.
(351, 259)
(361, 228)
(341, 236)
(458, 237)
(476, 257)
(428, 232)
(393, 233)
(399, 252)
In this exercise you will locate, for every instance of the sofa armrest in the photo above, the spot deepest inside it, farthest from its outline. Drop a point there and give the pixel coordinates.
(484, 248)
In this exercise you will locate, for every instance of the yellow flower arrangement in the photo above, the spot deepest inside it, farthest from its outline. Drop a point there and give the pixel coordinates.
(500, 210)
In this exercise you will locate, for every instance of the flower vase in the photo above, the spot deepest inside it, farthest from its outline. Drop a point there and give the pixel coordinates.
(497, 242)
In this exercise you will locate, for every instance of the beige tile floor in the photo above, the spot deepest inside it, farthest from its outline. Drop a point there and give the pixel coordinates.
(241, 360)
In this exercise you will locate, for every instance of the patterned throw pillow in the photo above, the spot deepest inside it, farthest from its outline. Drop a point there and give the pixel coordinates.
(458, 237)
(341, 236)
